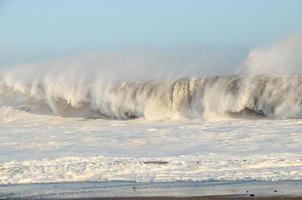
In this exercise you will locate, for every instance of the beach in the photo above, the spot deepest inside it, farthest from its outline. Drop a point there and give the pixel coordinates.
(164, 190)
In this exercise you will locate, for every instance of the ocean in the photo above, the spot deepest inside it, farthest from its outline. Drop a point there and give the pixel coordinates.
(190, 129)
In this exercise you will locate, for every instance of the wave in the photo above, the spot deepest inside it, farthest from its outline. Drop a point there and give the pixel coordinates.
(184, 168)
(243, 96)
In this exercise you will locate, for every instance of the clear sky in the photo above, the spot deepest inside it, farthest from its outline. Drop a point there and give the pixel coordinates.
(35, 29)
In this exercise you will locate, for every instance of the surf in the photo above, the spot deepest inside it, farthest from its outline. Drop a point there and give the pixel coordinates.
(234, 95)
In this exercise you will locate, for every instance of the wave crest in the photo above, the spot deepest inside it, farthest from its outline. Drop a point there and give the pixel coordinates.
(262, 95)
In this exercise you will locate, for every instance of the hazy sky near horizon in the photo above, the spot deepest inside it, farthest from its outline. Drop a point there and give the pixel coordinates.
(33, 29)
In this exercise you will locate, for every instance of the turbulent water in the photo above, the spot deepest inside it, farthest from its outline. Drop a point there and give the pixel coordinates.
(245, 96)
(130, 117)
(212, 128)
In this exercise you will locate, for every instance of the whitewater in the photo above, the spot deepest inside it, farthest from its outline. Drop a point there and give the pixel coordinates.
(213, 128)
(266, 96)
(66, 123)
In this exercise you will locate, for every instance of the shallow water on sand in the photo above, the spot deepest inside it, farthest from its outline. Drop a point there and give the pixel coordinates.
(135, 189)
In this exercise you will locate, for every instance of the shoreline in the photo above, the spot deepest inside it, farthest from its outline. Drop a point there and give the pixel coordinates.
(220, 197)
(187, 190)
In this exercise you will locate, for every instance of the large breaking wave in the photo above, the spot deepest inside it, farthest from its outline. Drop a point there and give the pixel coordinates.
(238, 95)
(123, 86)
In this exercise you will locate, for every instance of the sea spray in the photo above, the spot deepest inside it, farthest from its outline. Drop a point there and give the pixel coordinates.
(261, 95)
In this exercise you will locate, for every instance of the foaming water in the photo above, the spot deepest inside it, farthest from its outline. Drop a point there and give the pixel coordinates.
(244, 96)
(191, 126)
(185, 168)
(151, 85)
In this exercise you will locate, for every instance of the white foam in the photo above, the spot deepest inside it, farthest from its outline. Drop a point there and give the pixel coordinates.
(182, 168)
(44, 148)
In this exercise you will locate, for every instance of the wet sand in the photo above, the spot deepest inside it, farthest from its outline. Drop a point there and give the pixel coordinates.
(230, 197)
(187, 190)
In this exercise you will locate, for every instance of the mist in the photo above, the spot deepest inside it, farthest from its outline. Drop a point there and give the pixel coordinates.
(283, 57)
(146, 64)
(159, 84)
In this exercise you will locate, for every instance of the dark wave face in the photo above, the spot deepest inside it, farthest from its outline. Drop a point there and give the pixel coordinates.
(235, 96)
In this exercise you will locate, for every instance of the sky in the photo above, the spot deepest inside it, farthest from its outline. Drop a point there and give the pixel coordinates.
(33, 30)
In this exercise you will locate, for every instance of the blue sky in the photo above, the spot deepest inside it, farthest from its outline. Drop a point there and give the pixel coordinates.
(35, 29)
